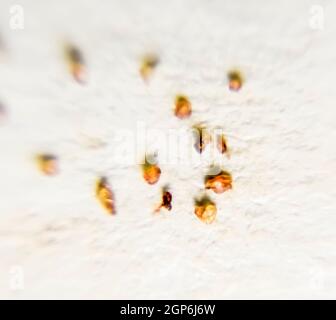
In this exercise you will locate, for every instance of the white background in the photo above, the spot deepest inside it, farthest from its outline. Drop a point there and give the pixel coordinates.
(275, 233)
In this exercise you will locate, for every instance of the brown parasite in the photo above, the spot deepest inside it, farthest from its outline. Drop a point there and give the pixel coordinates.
(3, 113)
(150, 171)
(205, 209)
(148, 65)
(218, 183)
(47, 163)
(105, 195)
(166, 201)
(76, 63)
(202, 137)
(222, 145)
(182, 107)
(235, 80)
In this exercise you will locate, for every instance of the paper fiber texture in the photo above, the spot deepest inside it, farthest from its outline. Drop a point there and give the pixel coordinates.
(275, 231)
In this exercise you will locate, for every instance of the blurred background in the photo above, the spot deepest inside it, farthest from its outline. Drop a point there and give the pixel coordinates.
(274, 235)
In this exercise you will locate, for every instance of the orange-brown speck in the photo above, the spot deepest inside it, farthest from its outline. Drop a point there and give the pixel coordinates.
(166, 201)
(205, 210)
(3, 113)
(182, 107)
(148, 65)
(151, 172)
(76, 63)
(48, 164)
(219, 183)
(235, 80)
(105, 195)
(222, 145)
(202, 138)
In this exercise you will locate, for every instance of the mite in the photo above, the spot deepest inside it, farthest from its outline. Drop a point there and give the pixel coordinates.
(222, 145)
(218, 183)
(205, 210)
(235, 80)
(3, 113)
(182, 107)
(76, 63)
(202, 138)
(105, 195)
(151, 172)
(48, 164)
(148, 65)
(166, 201)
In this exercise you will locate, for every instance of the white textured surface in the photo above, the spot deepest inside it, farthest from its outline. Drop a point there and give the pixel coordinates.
(275, 235)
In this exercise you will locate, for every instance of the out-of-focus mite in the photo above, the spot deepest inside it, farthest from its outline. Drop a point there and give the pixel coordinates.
(202, 137)
(105, 195)
(48, 164)
(148, 64)
(205, 209)
(151, 172)
(2, 44)
(235, 80)
(182, 107)
(222, 145)
(166, 201)
(3, 113)
(76, 63)
(218, 183)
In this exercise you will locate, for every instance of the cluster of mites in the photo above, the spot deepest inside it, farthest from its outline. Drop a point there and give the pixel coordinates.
(205, 209)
